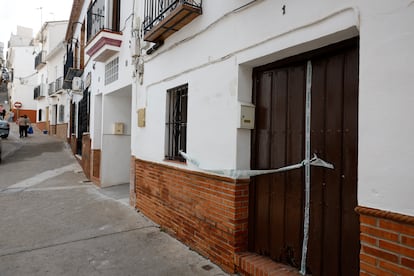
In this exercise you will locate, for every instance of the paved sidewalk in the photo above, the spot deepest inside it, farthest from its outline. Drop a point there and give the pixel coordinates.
(54, 222)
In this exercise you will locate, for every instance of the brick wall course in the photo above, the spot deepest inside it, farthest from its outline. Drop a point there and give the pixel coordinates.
(61, 131)
(96, 166)
(387, 243)
(73, 144)
(86, 155)
(207, 212)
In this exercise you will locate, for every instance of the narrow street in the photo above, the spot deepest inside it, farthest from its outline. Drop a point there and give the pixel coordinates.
(54, 222)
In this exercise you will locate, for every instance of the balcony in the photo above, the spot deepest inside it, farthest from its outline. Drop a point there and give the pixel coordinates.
(69, 71)
(40, 60)
(165, 17)
(51, 89)
(59, 85)
(39, 91)
(103, 39)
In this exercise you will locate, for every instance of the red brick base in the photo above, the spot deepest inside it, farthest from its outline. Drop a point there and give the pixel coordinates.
(387, 243)
(253, 264)
(42, 126)
(62, 131)
(208, 213)
(132, 184)
(96, 166)
(86, 155)
(73, 143)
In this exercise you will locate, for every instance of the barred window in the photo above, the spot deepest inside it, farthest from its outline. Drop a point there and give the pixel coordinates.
(176, 122)
(111, 71)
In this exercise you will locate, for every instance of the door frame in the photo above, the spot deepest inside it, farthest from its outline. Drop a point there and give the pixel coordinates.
(297, 59)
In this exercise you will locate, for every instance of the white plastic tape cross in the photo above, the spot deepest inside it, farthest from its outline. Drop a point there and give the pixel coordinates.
(307, 168)
(237, 174)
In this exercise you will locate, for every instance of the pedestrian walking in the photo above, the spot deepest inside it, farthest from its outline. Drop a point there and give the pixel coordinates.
(27, 123)
(2, 112)
(22, 125)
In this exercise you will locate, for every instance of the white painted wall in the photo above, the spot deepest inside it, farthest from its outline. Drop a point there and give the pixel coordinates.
(54, 70)
(221, 48)
(116, 149)
(21, 59)
(55, 34)
(96, 123)
(43, 102)
(386, 148)
(124, 56)
(112, 103)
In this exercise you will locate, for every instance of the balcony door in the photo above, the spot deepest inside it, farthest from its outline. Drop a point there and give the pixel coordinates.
(116, 15)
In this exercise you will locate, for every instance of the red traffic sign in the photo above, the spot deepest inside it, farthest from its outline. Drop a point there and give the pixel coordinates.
(17, 104)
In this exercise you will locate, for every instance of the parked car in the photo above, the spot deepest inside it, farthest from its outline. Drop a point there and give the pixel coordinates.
(4, 129)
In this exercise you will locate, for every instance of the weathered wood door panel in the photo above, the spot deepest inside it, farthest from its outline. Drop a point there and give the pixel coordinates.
(277, 200)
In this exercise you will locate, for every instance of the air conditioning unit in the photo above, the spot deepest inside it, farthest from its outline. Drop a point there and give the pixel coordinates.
(77, 84)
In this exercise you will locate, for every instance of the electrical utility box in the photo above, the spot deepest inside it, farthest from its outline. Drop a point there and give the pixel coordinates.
(141, 117)
(118, 128)
(247, 116)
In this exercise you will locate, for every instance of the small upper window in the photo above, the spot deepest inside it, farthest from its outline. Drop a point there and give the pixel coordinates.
(176, 122)
(111, 71)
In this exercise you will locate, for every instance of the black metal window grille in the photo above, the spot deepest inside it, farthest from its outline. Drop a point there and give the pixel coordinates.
(58, 83)
(83, 119)
(96, 18)
(156, 10)
(176, 122)
(73, 119)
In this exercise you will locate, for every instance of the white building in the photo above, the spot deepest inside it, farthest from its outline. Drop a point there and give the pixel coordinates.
(254, 85)
(20, 64)
(52, 103)
(2, 54)
(100, 35)
(354, 56)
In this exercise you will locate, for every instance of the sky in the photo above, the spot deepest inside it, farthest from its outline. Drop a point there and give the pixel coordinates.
(26, 13)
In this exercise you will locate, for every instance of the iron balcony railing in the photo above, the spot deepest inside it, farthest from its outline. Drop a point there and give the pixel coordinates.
(40, 59)
(59, 84)
(157, 10)
(39, 91)
(51, 89)
(96, 19)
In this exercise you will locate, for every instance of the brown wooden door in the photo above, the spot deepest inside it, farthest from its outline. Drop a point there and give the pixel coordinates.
(277, 200)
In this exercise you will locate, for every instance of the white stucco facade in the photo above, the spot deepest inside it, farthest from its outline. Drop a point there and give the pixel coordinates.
(21, 60)
(50, 76)
(215, 55)
(20, 64)
(110, 100)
